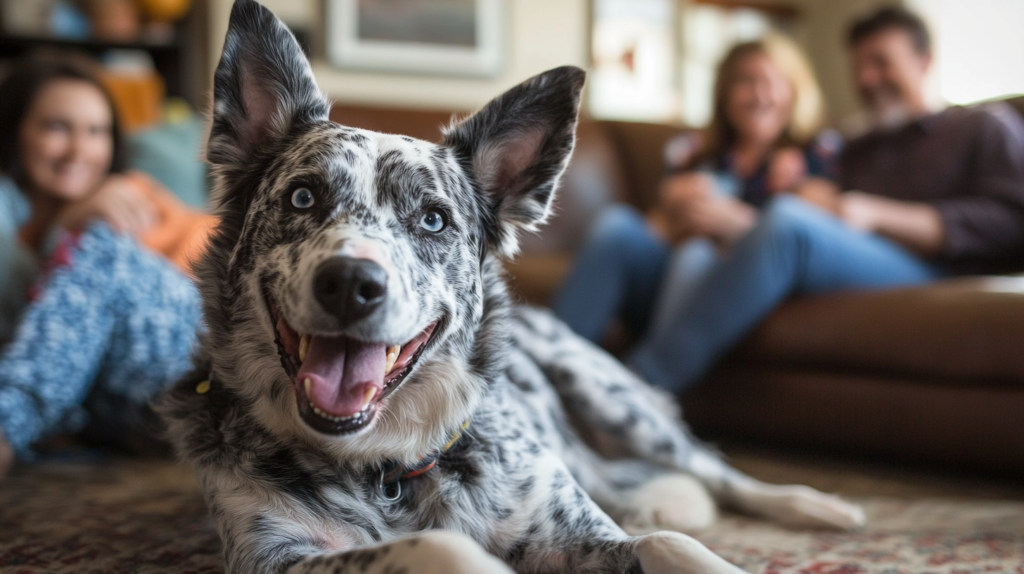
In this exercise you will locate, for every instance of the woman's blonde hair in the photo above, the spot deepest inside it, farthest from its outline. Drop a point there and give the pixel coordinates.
(808, 106)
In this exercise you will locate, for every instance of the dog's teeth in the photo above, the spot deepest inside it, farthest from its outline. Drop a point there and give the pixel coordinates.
(391, 358)
(368, 396)
(307, 384)
(303, 347)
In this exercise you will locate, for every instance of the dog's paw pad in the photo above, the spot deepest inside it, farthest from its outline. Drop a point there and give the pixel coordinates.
(804, 507)
(675, 502)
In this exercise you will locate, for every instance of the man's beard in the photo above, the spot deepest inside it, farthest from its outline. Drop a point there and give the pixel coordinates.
(888, 111)
(891, 117)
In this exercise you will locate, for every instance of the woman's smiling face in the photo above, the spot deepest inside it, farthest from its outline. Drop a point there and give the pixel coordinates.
(760, 100)
(66, 140)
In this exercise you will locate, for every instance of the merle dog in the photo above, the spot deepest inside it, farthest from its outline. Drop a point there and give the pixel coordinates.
(366, 397)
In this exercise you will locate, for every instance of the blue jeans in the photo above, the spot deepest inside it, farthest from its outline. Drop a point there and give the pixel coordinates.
(108, 332)
(793, 249)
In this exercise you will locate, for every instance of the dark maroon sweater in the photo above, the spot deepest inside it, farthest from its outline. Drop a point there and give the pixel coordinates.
(966, 162)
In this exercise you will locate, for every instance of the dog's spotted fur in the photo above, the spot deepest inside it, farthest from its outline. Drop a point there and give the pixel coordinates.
(521, 489)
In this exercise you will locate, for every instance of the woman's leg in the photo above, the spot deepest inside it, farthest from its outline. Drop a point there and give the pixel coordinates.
(794, 248)
(616, 273)
(688, 265)
(117, 322)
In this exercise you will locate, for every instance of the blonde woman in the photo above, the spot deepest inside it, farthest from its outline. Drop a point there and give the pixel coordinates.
(727, 242)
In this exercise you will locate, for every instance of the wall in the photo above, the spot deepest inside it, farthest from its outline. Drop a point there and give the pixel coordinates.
(534, 45)
(825, 25)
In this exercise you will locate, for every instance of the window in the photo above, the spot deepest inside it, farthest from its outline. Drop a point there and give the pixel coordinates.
(979, 47)
(655, 60)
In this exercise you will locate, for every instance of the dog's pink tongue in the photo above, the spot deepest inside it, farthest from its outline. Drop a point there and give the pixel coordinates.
(341, 373)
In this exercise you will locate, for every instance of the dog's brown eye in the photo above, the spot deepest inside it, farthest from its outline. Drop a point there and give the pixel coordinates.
(432, 221)
(302, 198)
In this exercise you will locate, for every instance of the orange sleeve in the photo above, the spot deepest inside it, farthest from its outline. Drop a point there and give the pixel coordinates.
(181, 233)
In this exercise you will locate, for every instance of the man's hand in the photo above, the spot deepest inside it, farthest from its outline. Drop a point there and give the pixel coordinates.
(862, 211)
(116, 202)
(690, 208)
(916, 226)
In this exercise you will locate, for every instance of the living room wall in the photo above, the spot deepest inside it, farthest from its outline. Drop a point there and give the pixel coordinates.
(542, 34)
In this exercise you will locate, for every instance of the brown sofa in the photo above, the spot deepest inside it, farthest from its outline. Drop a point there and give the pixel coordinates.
(932, 374)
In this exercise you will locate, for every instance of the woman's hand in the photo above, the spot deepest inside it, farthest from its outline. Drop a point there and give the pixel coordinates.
(820, 192)
(720, 218)
(116, 202)
(786, 170)
(692, 209)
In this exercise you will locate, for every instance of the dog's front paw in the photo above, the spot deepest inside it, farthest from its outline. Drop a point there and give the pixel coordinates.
(674, 553)
(451, 553)
(805, 507)
(441, 552)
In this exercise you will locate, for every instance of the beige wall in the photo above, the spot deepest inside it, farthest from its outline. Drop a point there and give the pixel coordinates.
(535, 44)
(825, 23)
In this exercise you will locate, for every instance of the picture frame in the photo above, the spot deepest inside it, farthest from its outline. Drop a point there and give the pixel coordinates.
(439, 37)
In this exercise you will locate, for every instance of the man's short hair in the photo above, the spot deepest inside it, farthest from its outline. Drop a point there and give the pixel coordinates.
(891, 18)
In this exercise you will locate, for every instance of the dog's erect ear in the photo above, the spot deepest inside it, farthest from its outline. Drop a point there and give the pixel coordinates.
(517, 147)
(263, 86)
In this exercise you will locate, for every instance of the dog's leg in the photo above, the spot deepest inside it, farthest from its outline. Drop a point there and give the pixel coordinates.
(263, 531)
(431, 552)
(656, 553)
(630, 418)
(561, 529)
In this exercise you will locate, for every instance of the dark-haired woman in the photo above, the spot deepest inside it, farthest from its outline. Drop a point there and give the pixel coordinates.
(98, 313)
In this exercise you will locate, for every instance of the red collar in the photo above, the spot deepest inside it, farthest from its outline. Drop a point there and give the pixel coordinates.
(390, 484)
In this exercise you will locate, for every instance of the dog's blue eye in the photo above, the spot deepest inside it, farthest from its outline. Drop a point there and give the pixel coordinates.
(432, 221)
(303, 198)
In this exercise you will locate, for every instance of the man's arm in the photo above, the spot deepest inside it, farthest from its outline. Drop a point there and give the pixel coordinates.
(987, 220)
(914, 225)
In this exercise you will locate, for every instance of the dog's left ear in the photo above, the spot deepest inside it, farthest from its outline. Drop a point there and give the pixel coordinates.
(263, 87)
(517, 147)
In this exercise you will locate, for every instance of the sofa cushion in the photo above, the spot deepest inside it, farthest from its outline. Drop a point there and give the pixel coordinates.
(961, 329)
(170, 153)
(907, 420)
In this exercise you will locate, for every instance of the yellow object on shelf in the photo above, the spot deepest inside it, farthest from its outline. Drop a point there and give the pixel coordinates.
(139, 98)
(165, 10)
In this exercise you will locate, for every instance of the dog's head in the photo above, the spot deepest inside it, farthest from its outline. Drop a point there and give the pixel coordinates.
(348, 281)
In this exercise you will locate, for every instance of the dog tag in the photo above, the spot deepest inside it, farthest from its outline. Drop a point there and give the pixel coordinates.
(389, 492)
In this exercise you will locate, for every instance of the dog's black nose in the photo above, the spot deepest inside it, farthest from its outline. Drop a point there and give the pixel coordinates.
(349, 288)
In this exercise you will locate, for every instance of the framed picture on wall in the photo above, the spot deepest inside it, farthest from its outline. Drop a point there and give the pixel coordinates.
(439, 37)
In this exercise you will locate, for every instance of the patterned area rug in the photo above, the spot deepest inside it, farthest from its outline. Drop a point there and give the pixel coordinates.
(147, 516)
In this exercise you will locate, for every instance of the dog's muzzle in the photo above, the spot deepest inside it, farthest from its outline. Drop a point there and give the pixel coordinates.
(339, 379)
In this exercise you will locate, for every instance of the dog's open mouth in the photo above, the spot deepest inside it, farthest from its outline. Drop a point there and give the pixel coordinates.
(340, 381)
